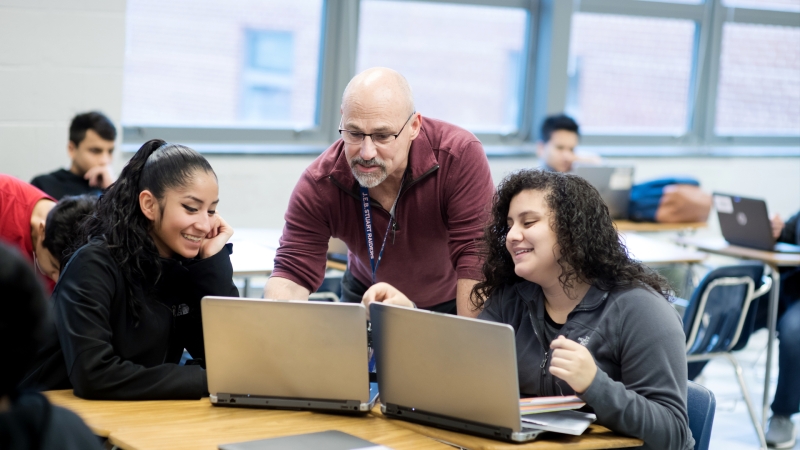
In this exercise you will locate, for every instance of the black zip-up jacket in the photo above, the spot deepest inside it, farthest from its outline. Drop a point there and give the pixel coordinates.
(99, 350)
(637, 341)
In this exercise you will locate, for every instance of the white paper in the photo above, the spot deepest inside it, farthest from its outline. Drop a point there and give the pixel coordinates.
(724, 204)
(567, 422)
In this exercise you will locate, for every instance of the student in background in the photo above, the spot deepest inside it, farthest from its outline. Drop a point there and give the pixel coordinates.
(90, 147)
(128, 301)
(27, 419)
(41, 229)
(588, 320)
(556, 148)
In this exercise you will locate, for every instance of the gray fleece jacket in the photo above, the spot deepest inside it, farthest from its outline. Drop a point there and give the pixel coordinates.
(638, 343)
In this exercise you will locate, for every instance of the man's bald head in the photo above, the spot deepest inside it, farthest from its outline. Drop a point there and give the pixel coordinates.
(379, 87)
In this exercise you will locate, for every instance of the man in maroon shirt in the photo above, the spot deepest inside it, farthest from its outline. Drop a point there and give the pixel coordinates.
(408, 195)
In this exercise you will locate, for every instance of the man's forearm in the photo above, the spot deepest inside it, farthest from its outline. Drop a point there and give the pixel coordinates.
(278, 288)
(463, 303)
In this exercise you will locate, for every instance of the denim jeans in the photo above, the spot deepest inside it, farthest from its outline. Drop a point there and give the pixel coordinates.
(787, 394)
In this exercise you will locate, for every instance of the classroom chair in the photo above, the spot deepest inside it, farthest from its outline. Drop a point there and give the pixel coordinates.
(720, 316)
(701, 405)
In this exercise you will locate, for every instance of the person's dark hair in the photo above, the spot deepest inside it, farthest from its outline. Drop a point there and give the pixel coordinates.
(64, 224)
(23, 318)
(552, 124)
(118, 219)
(91, 121)
(591, 250)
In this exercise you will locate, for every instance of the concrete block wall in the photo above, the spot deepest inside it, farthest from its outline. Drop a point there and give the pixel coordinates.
(57, 58)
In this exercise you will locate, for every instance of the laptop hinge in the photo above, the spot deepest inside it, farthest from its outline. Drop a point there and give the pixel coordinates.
(451, 423)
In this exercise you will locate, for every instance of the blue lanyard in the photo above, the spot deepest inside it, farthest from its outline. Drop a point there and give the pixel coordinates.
(367, 213)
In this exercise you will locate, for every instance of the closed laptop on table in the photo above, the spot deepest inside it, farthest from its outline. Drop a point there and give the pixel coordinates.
(324, 440)
(287, 354)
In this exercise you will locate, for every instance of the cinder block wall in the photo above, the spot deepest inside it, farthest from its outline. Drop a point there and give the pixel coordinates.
(57, 58)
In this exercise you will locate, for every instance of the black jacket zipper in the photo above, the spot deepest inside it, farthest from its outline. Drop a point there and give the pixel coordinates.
(547, 389)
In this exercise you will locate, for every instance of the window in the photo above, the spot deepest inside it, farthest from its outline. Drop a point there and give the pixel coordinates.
(465, 63)
(630, 75)
(759, 85)
(780, 5)
(222, 63)
(258, 76)
(267, 77)
(690, 2)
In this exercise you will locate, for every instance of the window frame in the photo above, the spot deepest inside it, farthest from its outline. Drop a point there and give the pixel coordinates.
(727, 14)
(710, 18)
(543, 90)
(338, 47)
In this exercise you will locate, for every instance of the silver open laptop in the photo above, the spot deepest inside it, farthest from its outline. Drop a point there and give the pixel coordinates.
(448, 371)
(287, 354)
(614, 185)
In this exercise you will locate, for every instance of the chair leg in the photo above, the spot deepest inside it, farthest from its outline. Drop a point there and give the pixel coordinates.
(750, 408)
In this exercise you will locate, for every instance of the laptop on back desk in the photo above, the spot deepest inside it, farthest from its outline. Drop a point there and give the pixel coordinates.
(745, 222)
(613, 184)
(287, 354)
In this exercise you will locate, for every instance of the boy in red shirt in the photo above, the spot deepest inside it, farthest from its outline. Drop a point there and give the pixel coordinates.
(25, 214)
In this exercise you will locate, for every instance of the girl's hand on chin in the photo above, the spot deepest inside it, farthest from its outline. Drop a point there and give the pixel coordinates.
(219, 235)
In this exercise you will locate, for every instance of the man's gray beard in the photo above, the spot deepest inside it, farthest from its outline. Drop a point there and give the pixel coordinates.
(368, 180)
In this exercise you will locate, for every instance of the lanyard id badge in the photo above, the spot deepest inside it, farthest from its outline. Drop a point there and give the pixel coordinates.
(366, 210)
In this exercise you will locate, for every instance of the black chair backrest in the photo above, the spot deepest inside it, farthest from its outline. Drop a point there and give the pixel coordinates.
(700, 405)
(718, 323)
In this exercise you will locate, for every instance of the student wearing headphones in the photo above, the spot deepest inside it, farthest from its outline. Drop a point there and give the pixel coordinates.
(128, 301)
(588, 320)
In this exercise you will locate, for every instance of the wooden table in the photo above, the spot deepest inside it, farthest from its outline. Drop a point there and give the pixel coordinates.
(774, 260)
(196, 424)
(596, 437)
(653, 227)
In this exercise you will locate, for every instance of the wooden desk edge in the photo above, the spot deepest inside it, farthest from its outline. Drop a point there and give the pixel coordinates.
(265, 273)
(722, 247)
(57, 398)
(596, 437)
(627, 225)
